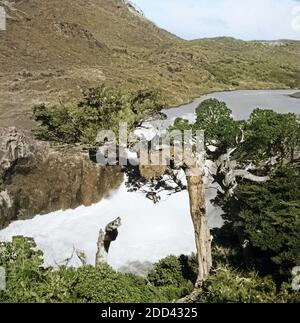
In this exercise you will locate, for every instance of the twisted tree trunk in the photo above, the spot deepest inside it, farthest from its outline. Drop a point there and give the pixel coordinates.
(105, 239)
(198, 212)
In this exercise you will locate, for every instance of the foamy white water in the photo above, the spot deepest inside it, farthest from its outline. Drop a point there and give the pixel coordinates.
(149, 231)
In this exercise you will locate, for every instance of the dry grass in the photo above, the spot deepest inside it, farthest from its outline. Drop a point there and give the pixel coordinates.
(54, 49)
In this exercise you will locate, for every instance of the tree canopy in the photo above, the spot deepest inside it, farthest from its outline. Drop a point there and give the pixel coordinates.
(101, 108)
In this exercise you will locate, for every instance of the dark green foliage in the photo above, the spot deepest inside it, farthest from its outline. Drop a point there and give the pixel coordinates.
(181, 124)
(168, 271)
(267, 217)
(104, 285)
(270, 134)
(169, 275)
(226, 285)
(102, 108)
(215, 118)
(29, 282)
(270, 216)
(22, 264)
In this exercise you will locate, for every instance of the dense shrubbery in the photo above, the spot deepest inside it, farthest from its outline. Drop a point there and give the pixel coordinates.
(28, 281)
(169, 275)
(228, 285)
(267, 218)
(265, 135)
(270, 134)
(215, 118)
(101, 109)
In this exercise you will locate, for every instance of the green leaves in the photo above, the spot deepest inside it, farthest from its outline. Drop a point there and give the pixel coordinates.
(268, 217)
(29, 282)
(215, 118)
(102, 108)
(181, 125)
(227, 285)
(270, 134)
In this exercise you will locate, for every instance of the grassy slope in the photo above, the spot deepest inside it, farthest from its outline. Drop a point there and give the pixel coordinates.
(52, 49)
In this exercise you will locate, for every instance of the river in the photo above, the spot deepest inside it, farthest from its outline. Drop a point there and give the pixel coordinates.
(149, 231)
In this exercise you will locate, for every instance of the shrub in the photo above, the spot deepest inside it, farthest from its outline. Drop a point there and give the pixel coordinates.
(168, 271)
(267, 218)
(29, 282)
(169, 275)
(226, 285)
(102, 108)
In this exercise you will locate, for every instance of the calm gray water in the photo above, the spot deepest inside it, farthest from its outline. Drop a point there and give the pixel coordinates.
(242, 103)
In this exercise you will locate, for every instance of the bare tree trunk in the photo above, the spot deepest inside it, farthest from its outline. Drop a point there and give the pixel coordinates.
(105, 239)
(198, 213)
(82, 257)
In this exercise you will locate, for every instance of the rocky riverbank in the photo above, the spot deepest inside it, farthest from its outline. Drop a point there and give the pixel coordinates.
(37, 178)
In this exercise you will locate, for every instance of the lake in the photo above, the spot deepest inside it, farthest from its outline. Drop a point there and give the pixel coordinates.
(242, 103)
(149, 231)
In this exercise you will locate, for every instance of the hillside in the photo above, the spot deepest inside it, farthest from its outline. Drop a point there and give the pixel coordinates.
(54, 49)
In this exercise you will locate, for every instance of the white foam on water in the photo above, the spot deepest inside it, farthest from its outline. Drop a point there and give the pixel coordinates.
(149, 231)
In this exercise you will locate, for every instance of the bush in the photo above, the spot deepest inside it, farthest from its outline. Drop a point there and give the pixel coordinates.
(266, 217)
(102, 108)
(169, 275)
(168, 271)
(215, 118)
(226, 285)
(29, 282)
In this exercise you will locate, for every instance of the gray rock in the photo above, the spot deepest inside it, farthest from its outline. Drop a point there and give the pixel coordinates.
(296, 95)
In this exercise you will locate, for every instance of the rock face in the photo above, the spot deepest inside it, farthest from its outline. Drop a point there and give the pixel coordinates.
(296, 95)
(36, 178)
(14, 146)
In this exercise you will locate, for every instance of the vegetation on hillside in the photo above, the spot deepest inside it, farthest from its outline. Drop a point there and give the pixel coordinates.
(102, 108)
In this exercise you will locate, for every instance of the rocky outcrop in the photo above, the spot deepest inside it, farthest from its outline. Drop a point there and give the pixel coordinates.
(14, 146)
(36, 178)
(296, 95)
(132, 7)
